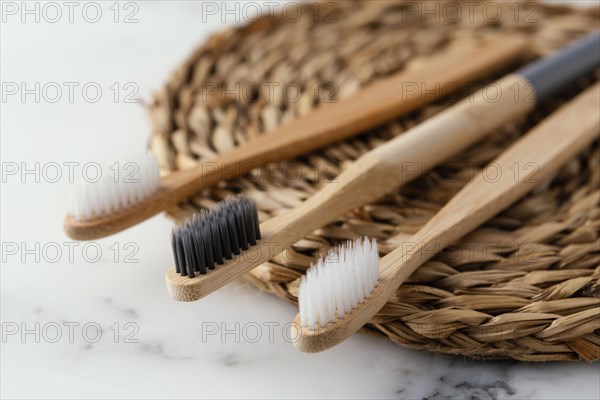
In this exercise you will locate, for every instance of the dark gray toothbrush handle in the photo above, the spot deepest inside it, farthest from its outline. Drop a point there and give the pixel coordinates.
(554, 72)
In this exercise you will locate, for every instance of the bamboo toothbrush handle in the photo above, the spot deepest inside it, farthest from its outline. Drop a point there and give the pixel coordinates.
(546, 147)
(404, 158)
(529, 162)
(404, 92)
(373, 105)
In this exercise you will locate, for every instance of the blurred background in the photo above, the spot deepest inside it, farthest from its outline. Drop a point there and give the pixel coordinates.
(95, 321)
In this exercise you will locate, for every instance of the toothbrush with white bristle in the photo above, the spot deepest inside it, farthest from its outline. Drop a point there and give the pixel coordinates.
(548, 146)
(338, 282)
(104, 208)
(121, 185)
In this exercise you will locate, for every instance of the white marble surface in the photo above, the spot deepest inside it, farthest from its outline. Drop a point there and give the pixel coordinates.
(167, 356)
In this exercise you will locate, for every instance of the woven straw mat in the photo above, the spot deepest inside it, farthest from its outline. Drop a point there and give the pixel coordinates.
(525, 285)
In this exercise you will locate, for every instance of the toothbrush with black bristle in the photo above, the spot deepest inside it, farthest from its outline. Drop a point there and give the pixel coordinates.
(383, 169)
(216, 235)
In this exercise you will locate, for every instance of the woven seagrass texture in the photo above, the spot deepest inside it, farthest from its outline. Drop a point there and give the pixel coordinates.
(525, 285)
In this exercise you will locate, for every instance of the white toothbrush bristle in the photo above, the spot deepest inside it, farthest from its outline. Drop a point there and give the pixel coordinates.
(122, 184)
(338, 282)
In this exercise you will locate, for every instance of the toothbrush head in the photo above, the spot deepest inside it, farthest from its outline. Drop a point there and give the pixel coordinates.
(338, 283)
(213, 236)
(115, 187)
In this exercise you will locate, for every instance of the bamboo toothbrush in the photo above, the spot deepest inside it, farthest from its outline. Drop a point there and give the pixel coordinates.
(382, 169)
(339, 299)
(103, 208)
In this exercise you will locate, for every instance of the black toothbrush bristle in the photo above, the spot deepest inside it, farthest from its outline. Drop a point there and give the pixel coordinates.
(174, 243)
(214, 236)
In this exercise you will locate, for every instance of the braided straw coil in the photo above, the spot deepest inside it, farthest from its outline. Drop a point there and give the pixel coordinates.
(525, 285)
